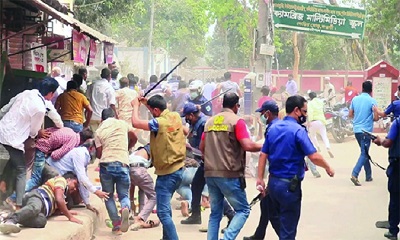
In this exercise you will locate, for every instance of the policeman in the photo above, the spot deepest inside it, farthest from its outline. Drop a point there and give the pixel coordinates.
(285, 146)
(392, 141)
(269, 114)
(197, 120)
(196, 97)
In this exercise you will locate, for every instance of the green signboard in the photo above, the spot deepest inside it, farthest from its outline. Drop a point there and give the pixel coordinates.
(319, 18)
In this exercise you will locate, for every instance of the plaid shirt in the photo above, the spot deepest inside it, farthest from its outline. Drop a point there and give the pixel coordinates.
(60, 142)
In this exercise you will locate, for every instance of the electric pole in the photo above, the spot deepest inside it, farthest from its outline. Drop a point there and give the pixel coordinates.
(149, 55)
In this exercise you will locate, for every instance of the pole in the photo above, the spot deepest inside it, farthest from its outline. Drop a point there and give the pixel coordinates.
(149, 58)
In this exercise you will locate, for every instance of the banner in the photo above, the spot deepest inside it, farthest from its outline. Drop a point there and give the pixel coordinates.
(81, 44)
(319, 18)
(108, 52)
(39, 58)
(92, 52)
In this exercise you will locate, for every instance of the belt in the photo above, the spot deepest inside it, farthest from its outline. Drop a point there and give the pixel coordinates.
(105, 164)
(137, 165)
(281, 179)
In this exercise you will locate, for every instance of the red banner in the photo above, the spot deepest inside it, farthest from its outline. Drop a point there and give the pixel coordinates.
(80, 45)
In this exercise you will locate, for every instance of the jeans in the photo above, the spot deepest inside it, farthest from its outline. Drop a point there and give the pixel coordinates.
(393, 174)
(268, 214)
(187, 179)
(77, 127)
(17, 161)
(37, 169)
(229, 188)
(364, 142)
(287, 204)
(166, 185)
(115, 174)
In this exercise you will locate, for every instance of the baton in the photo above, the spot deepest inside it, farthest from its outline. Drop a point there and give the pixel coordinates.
(204, 103)
(165, 77)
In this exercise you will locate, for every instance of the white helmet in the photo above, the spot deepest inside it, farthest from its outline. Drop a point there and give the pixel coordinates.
(198, 86)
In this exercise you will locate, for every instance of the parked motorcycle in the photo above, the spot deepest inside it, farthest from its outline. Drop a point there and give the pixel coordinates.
(338, 122)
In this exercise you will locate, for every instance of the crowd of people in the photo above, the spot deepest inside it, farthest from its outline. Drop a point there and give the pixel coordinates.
(196, 144)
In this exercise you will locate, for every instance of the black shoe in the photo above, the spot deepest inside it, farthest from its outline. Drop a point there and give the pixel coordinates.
(193, 219)
(382, 224)
(251, 238)
(390, 236)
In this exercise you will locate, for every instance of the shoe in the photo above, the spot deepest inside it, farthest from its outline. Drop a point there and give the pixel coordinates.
(124, 220)
(369, 179)
(382, 224)
(116, 230)
(9, 227)
(355, 181)
(185, 208)
(203, 229)
(390, 236)
(252, 238)
(193, 219)
(330, 154)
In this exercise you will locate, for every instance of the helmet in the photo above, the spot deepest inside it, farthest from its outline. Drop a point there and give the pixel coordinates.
(196, 89)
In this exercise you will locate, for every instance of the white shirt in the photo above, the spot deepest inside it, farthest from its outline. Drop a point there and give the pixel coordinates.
(61, 88)
(208, 90)
(101, 95)
(84, 86)
(52, 113)
(21, 118)
(328, 95)
(231, 86)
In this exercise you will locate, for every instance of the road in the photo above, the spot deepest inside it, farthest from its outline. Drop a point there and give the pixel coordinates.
(332, 208)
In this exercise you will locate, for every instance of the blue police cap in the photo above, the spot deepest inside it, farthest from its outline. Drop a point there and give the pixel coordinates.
(189, 108)
(269, 105)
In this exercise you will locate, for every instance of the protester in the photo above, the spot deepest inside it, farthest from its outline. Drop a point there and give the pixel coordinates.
(329, 93)
(124, 97)
(265, 96)
(228, 86)
(291, 86)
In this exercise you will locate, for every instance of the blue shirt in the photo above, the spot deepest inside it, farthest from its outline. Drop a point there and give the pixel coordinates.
(394, 108)
(363, 113)
(153, 125)
(206, 108)
(268, 126)
(197, 130)
(286, 144)
(394, 150)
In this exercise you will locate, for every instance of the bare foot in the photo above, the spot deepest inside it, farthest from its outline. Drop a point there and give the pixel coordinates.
(185, 208)
(3, 186)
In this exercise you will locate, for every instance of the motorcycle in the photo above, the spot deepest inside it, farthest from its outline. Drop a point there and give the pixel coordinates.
(338, 122)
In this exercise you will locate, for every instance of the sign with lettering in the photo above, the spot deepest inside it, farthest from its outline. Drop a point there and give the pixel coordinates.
(381, 91)
(80, 47)
(108, 52)
(39, 58)
(319, 18)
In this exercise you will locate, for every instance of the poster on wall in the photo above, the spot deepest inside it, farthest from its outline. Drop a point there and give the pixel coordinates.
(108, 52)
(80, 49)
(92, 52)
(39, 58)
(381, 91)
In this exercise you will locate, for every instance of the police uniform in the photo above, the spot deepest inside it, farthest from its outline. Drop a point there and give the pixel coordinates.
(286, 144)
(393, 174)
(206, 108)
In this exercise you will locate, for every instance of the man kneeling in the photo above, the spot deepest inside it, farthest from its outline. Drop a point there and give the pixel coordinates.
(41, 203)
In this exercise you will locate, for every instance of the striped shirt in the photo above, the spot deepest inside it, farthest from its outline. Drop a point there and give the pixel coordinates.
(60, 142)
(47, 191)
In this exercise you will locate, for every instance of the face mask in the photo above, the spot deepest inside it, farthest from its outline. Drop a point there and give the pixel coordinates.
(193, 95)
(302, 119)
(188, 121)
(264, 119)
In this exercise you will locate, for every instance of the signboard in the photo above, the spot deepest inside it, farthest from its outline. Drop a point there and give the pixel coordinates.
(381, 91)
(92, 52)
(39, 58)
(80, 47)
(319, 18)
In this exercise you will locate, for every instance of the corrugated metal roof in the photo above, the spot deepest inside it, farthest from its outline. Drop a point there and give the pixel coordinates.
(81, 27)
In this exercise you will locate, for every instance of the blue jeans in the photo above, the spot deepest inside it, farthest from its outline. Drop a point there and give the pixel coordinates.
(364, 142)
(288, 206)
(166, 185)
(229, 188)
(184, 189)
(115, 174)
(77, 127)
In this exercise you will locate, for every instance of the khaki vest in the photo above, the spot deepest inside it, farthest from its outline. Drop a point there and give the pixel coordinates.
(168, 145)
(223, 154)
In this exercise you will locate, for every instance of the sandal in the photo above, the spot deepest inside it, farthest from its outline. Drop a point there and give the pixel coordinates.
(151, 224)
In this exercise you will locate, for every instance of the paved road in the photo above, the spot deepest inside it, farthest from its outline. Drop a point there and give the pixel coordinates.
(332, 209)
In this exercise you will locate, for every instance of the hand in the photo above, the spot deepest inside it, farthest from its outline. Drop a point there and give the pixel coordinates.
(135, 102)
(198, 106)
(73, 212)
(260, 185)
(143, 100)
(102, 194)
(86, 124)
(378, 141)
(330, 172)
(75, 220)
(374, 108)
(93, 209)
(43, 133)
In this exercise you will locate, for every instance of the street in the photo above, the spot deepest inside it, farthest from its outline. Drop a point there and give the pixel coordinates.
(332, 208)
